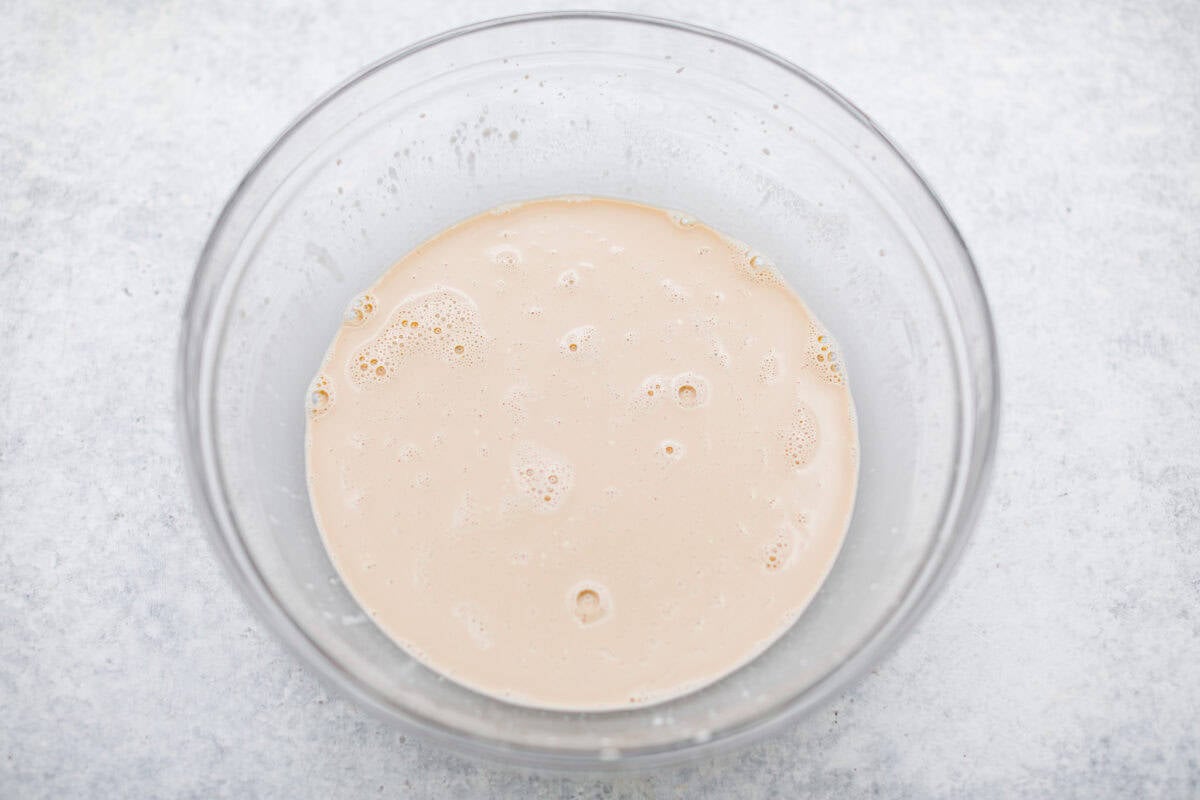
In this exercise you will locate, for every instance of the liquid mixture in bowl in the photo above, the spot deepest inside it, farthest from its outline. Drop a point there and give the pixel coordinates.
(582, 453)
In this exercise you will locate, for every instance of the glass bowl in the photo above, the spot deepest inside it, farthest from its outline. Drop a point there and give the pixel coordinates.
(607, 105)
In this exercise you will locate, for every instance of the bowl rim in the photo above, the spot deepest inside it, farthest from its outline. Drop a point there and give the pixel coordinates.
(956, 521)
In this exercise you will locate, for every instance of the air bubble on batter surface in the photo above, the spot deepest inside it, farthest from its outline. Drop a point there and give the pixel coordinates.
(822, 356)
(671, 450)
(690, 390)
(681, 220)
(361, 309)
(801, 437)
(581, 341)
(320, 396)
(505, 256)
(652, 390)
(589, 603)
(769, 369)
(542, 476)
(568, 280)
(442, 322)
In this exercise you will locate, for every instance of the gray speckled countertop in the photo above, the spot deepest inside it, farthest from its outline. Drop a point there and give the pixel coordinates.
(1063, 660)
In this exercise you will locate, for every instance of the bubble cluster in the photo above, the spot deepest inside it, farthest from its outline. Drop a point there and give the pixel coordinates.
(822, 356)
(650, 391)
(718, 351)
(589, 602)
(769, 368)
(361, 309)
(569, 279)
(320, 396)
(542, 475)
(581, 341)
(759, 269)
(442, 322)
(706, 324)
(777, 554)
(690, 390)
(675, 292)
(514, 401)
(800, 437)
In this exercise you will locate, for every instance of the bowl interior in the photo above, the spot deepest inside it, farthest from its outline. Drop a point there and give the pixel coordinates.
(597, 105)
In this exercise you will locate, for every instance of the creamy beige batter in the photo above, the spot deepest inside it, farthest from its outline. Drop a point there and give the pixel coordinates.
(582, 453)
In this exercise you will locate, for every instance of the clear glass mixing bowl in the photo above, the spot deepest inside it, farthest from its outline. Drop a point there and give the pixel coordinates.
(599, 104)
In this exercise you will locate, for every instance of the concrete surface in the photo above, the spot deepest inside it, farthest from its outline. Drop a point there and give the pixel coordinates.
(1062, 661)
